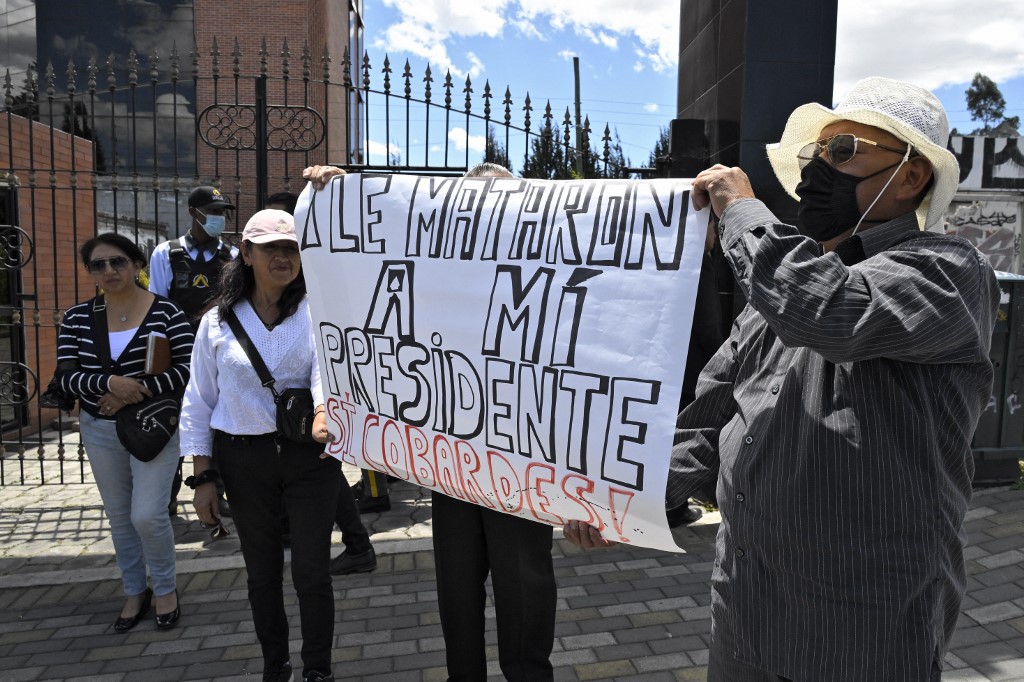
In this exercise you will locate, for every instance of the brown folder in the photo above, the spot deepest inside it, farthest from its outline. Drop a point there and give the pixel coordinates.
(158, 354)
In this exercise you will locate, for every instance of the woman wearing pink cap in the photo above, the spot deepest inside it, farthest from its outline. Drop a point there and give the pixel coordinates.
(228, 410)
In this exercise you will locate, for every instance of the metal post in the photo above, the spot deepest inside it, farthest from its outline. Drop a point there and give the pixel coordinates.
(579, 126)
(262, 180)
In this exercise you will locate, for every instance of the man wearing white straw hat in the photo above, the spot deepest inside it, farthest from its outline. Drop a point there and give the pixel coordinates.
(850, 386)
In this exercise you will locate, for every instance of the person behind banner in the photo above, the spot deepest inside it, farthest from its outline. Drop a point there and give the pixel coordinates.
(228, 411)
(187, 271)
(134, 492)
(373, 490)
(471, 542)
(282, 201)
(851, 385)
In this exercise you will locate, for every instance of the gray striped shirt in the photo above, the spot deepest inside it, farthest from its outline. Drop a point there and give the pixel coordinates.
(837, 422)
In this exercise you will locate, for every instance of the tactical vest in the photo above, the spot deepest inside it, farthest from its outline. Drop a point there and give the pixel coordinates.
(195, 284)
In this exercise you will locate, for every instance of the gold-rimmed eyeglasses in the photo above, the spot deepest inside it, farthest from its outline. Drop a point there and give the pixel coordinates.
(841, 148)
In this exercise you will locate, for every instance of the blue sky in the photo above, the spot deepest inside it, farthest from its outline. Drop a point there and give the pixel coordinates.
(628, 56)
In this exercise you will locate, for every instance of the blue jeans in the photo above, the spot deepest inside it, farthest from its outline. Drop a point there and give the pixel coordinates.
(135, 500)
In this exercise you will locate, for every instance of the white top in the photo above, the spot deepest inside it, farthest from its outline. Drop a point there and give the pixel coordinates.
(160, 273)
(119, 341)
(224, 392)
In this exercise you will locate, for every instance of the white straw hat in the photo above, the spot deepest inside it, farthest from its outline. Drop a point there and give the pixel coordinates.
(909, 112)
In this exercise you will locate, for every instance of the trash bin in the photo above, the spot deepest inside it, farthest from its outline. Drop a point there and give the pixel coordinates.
(999, 439)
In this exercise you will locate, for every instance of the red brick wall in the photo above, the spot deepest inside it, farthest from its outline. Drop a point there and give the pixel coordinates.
(56, 210)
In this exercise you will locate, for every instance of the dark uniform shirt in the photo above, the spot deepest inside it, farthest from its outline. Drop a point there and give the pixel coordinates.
(837, 419)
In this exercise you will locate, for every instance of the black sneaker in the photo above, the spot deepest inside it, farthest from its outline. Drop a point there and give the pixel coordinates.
(684, 515)
(374, 505)
(278, 673)
(346, 563)
(317, 676)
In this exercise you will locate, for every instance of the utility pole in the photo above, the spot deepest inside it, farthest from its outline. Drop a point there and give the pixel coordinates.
(579, 126)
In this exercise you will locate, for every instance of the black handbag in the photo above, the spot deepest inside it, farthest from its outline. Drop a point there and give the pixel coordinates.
(294, 405)
(144, 428)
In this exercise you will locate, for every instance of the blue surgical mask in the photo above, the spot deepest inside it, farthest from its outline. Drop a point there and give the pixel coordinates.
(214, 224)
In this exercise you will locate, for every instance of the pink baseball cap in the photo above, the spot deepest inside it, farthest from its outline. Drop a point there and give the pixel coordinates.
(270, 225)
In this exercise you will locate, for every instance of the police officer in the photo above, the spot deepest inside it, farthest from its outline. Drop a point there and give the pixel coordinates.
(187, 271)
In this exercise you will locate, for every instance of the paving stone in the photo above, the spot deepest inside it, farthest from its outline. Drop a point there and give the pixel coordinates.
(623, 651)
(416, 662)
(995, 612)
(998, 593)
(985, 654)
(605, 669)
(663, 662)
(969, 636)
(590, 640)
(604, 624)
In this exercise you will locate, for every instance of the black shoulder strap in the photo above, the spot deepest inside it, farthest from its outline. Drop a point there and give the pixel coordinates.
(224, 251)
(102, 340)
(177, 248)
(250, 350)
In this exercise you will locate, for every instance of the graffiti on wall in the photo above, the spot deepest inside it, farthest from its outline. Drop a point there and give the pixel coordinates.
(992, 226)
(994, 166)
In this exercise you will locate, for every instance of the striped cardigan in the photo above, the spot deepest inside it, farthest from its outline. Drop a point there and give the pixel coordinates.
(81, 372)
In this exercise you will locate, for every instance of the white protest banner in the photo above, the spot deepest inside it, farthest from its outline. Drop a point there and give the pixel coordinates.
(518, 344)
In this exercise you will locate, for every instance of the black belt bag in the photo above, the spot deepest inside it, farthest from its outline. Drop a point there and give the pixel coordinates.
(294, 405)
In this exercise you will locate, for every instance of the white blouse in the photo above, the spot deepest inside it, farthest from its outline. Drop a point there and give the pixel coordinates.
(224, 391)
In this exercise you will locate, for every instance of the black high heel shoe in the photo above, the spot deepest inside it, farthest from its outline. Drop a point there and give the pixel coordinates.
(166, 621)
(125, 624)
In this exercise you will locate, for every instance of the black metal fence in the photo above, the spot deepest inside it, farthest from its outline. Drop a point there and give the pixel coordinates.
(116, 143)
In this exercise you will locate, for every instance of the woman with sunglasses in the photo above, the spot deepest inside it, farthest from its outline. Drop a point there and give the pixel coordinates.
(228, 411)
(134, 492)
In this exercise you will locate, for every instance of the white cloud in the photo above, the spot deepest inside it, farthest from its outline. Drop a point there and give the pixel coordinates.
(425, 26)
(458, 136)
(928, 42)
(654, 23)
(567, 55)
(651, 108)
(609, 41)
(378, 151)
(476, 66)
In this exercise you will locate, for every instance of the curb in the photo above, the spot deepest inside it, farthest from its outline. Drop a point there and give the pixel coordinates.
(187, 566)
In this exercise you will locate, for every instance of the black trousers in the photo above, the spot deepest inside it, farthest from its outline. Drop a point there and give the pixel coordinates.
(469, 542)
(259, 477)
(346, 514)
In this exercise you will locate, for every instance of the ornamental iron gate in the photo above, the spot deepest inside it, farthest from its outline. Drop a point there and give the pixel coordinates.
(115, 146)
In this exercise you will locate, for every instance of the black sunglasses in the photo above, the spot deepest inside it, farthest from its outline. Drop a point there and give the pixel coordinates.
(840, 148)
(99, 265)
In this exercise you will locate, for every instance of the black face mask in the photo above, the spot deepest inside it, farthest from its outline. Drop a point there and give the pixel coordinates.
(828, 199)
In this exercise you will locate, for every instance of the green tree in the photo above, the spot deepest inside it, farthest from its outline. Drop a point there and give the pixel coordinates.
(546, 158)
(617, 162)
(661, 148)
(494, 150)
(985, 102)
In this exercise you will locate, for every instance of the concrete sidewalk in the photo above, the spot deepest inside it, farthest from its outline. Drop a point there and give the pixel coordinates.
(624, 614)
